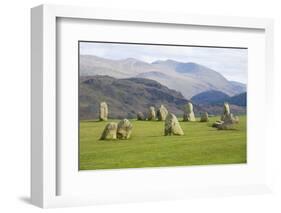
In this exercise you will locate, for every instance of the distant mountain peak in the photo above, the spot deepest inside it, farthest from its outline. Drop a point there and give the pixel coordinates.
(167, 61)
(152, 73)
(188, 78)
(171, 61)
(191, 67)
(131, 60)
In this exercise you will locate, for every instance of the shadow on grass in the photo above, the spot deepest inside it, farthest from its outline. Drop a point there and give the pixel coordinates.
(228, 129)
(92, 121)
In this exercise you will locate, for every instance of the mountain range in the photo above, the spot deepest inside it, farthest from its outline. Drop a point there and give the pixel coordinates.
(188, 78)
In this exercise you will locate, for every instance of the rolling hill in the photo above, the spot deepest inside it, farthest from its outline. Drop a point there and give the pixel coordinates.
(239, 100)
(208, 97)
(125, 97)
(218, 98)
(211, 101)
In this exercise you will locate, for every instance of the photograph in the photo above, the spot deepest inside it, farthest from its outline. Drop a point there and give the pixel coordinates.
(145, 105)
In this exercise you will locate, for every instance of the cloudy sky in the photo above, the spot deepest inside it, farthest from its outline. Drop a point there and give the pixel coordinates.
(231, 63)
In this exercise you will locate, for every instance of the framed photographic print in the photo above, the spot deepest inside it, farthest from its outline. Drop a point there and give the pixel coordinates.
(129, 106)
(127, 89)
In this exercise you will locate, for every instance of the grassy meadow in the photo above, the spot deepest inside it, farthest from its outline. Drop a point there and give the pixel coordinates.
(148, 147)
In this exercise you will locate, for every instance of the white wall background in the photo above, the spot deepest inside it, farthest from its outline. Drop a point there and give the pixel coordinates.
(15, 103)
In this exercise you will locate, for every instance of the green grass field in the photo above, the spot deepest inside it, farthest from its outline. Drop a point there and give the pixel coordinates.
(148, 147)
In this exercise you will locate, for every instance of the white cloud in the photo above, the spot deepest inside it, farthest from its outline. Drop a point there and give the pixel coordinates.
(231, 63)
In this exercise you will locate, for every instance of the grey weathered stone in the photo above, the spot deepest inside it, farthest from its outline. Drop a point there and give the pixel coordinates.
(188, 113)
(236, 118)
(162, 113)
(204, 117)
(141, 116)
(103, 114)
(227, 119)
(109, 132)
(217, 123)
(151, 113)
(172, 126)
(226, 111)
(228, 122)
(124, 129)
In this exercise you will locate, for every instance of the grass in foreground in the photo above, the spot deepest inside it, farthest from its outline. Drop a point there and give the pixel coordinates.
(201, 145)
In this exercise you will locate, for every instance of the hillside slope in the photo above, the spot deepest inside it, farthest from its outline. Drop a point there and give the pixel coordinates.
(209, 97)
(125, 97)
(239, 100)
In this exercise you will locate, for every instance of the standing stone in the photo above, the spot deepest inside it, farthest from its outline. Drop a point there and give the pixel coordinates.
(172, 126)
(141, 116)
(103, 111)
(162, 113)
(228, 122)
(151, 113)
(188, 113)
(227, 119)
(109, 132)
(226, 111)
(204, 117)
(124, 129)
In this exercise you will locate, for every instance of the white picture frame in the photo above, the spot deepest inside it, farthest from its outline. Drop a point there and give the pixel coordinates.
(44, 149)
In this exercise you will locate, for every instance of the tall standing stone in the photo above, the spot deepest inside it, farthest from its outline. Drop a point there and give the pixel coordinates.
(109, 132)
(188, 113)
(151, 113)
(162, 113)
(103, 111)
(227, 119)
(204, 117)
(124, 129)
(226, 111)
(172, 126)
